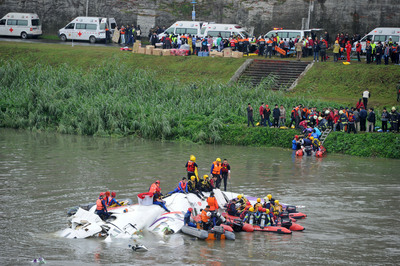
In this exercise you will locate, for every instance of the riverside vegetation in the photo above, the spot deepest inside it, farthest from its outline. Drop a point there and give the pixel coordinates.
(73, 95)
(66, 100)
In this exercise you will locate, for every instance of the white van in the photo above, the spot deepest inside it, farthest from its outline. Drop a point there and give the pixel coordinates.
(380, 34)
(90, 29)
(225, 30)
(183, 27)
(287, 34)
(21, 24)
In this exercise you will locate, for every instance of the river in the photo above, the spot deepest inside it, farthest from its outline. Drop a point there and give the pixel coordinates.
(352, 203)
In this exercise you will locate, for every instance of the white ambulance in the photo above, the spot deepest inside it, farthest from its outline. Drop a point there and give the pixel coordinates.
(380, 34)
(25, 25)
(225, 30)
(182, 28)
(90, 29)
(287, 34)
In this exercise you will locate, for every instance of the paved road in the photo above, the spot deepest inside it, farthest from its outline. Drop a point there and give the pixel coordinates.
(82, 43)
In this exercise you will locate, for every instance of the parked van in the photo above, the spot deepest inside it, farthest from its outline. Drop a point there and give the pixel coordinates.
(90, 29)
(287, 34)
(25, 25)
(183, 27)
(380, 34)
(225, 30)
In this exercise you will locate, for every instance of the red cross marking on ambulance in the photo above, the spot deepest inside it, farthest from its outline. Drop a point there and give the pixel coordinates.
(11, 30)
(80, 34)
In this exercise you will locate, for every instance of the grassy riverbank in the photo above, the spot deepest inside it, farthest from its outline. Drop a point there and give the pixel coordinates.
(104, 92)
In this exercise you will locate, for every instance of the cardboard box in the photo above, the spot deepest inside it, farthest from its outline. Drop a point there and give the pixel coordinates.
(136, 46)
(216, 54)
(142, 50)
(227, 52)
(157, 51)
(166, 52)
(237, 54)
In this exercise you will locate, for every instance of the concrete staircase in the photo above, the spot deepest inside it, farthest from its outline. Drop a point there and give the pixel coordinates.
(286, 72)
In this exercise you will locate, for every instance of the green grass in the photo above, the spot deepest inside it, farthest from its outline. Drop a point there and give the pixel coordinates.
(345, 83)
(168, 68)
(49, 37)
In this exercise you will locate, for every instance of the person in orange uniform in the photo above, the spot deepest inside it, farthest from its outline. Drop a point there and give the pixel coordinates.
(191, 166)
(101, 208)
(155, 187)
(348, 50)
(216, 171)
(205, 218)
(212, 202)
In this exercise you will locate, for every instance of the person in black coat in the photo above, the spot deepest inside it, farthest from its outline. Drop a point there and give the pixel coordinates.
(363, 118)
(275, 114)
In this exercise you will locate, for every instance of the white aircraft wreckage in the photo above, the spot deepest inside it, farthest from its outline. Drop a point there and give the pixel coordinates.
(126, 221)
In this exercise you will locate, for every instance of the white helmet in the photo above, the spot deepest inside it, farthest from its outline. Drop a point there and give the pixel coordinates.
(315, 117)
(327, 112)
(208, 214)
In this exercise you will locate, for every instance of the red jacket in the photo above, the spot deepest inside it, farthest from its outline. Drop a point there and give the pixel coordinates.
(261, 110)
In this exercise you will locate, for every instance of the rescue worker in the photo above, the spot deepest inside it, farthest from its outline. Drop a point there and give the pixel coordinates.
(113, 202)
(205, 184)
(257, 215)
(155, 187)
(205, 218)
(182, 187)
(107, 198)
(158, 201)
(122, 34)
(244, 212)
(101, 208)
(270, 44)
(242, 201)
(350, 123)
(186, 220)
(348, 50)
(212, 202)
(191, 166)
(316, 144)
(394, 120)
(342, 120)
(295, 143)
(216, 171)
(277, 208)
(257, 204)
(249, 213)
(225, 172)
(261, 46)
(231, 208)
(267, 217)
(191, 187)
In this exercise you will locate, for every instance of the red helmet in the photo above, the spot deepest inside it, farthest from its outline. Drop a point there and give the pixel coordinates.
(248, 203)
(113, 194)
(263, 210)
(309, 134)
(108, 193)
(296, 137)
(158, 182)
(102, 194)
(260, 209)
(190, 209)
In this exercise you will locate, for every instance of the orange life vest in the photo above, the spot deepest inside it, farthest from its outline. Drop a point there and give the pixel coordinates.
(99, 205)
(183, 185)
(216, 168)
(212, 202)
(204, 217)
(154, 188)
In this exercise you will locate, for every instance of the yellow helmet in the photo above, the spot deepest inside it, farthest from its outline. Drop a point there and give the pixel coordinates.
(239, 196)
(276, 201)
(258, 200)
(205, 177)
(251, 209)
(311, 138)
(192, 158)
(269, 196)
(218, 160)
(267, 211)
(192, 178)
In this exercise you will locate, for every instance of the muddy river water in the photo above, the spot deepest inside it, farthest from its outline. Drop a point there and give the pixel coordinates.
(352, 203)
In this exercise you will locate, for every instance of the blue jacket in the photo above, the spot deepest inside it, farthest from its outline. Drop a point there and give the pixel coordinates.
(113, 201)
(186, 220)
(318, 132)
(294, 144)
(181, 188)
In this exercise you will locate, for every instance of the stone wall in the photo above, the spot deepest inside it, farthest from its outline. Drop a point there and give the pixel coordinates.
(352, 16)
